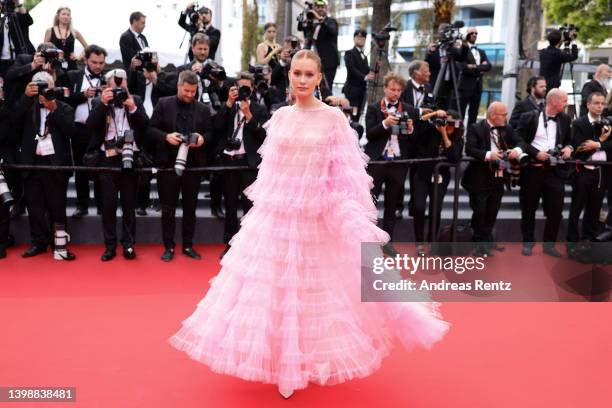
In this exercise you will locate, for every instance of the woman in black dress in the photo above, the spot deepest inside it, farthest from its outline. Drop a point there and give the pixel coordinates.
(269, 50)
(62, 34)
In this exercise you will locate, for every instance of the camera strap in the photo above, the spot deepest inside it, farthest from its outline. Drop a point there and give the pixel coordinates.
(383, 107)
(239, 125)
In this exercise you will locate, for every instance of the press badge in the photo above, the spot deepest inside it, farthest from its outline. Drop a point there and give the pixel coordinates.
(205, 97)
(45, 146)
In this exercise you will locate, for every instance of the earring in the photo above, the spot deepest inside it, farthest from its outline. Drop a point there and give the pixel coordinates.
(319, 93)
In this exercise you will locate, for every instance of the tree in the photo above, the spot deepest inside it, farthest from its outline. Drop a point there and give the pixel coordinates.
(589, 15)
(380, 17)
(429, 20)
(531, 30)
(250, 32)
(29, 4)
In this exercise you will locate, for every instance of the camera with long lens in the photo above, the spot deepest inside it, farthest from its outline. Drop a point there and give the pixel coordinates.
(511, 166)
(99, 87)
(194, 17)
(244, 93)
(181, 156)
(307, 19)
(120, 95)
(54, 57)
(146, 57)
(51, 93)
(450, 34)
(261, 85)
(402, 125)
(5, 192)
(212, 71)
(126, 142)
(556, 156)
(569, 33)
(295, 47)
(384, 34)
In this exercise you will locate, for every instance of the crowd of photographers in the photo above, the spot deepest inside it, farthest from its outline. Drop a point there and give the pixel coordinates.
(178, 118)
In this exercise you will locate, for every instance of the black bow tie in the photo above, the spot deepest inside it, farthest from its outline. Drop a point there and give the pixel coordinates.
(553, 118)
(141, 36)
(473, 47)
(392, 105)
(95, 76)
(420, 89)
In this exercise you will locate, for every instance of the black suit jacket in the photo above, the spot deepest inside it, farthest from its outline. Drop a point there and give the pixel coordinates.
(582, 130)
(551, 60)
(526, 105)
(73, 80)
(129, 46)
(470, 79)
(327, 43)
(427, 144)
(25, 21)
(17, 77)
(356, 70)
(435, 61)
(60, 124)
(96, 123)
(163, 121)
(407, 95)
(253, 134)
(137, 84)
(478, 175)
(378, 136)
(587, 89)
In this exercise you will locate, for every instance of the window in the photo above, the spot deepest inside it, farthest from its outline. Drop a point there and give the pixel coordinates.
(261, 12)
(409, 21)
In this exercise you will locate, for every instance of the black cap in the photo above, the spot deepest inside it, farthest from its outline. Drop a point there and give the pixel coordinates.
(361, 32)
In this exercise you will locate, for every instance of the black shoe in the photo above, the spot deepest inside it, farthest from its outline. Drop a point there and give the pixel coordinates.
(2, 253)
(80, 212)
(17, 210)
(141, 211)
(552, 251)
(129, 253)
(10, 241)
(398, 214)
(191, 253)
(389, 249)
(217, 212)
(68, 257)
(527, 250)
(108, 254)
(227, 248)
(167, 255)
(33, 251)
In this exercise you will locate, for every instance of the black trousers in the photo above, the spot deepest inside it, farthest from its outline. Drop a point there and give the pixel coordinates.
(485, 205)
(234, 183)
(471, 101)
(45, 193)
(143, 199)
(80, 141)
(393, 176)
(5, 218)
(115, 187)
(587, 194)
(170, 186)
(421, 189)
(216, 190)
(536, 183)
(355, 96)
(609, 196)
(330, 74)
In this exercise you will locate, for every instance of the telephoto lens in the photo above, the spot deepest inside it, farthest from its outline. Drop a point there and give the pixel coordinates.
(181, 157)
(5, 193)
(127, 154)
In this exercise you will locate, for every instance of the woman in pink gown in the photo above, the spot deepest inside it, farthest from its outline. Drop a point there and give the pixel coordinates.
(285, 307)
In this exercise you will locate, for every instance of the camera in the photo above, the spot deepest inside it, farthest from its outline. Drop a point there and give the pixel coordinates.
(5, 192)
(436, 121)
(384, 34)
(244, 93)
(51, 93)
(212, 71)
(556, 156)
(99, 87)
(126, 142)
(261, 85)
(120, 95)
(512, 167)
(181, 156)
(450, 34)
(54, 57)
(194, 17)
(146, 57)
(306, 19)
(402, 126)
(569, 32)
(604, 121)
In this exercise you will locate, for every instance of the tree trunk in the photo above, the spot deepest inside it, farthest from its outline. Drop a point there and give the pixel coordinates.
(279, 17)
(443, 12)
(380, 17)
(532, 30)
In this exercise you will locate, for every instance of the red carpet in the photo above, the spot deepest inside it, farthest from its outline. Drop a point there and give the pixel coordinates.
(102, 328)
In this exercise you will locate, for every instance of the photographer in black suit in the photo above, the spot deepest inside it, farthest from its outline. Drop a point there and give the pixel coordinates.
(200, 21)
(418, 91)
(47, 125)
(535, 100)
(488, 141)
(470, 80)
(133, 40)
(181, 128)
(600, 83)
(240, 134)
(552, 58)
(389, 139)
(117, 124)
(10, 46)
(357, 73)
(546, 138)
(84, 85)
(5, 157)
(591, 141)
(324, 34)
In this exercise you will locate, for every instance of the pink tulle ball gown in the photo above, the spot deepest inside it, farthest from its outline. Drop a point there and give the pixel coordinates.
(285, 307)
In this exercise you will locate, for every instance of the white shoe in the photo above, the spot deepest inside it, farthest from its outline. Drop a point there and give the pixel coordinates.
(285, 393)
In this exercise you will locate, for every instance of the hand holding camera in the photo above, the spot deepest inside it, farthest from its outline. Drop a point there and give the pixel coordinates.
(38, 61)
(390, 120)
(174, 138)
(543, 156)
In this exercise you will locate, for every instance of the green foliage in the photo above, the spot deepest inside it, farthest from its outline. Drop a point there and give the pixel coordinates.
(589, 15)
(250, 32)
(29, 4)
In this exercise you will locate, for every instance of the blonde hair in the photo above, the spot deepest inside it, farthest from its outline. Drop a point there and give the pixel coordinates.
(392, 76)
(307, 54)
(56, 18)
